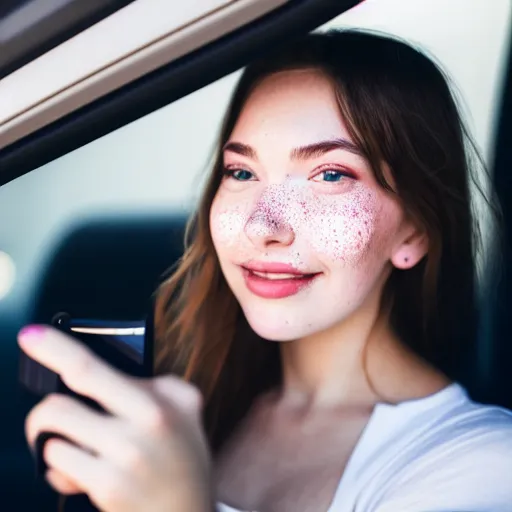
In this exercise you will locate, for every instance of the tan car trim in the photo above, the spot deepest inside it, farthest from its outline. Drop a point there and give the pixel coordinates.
(159, 52)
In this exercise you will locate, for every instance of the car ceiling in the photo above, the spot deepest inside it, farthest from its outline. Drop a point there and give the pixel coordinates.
(29, 28)
(114, 52)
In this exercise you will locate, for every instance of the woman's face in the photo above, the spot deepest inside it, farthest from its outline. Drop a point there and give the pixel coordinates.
(303, 232)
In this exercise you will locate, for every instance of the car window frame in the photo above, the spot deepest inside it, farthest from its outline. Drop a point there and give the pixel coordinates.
(167, 84)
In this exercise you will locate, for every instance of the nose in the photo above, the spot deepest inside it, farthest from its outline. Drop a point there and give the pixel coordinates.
(267, 226)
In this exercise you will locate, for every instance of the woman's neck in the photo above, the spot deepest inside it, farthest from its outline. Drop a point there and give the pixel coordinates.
(333, 367)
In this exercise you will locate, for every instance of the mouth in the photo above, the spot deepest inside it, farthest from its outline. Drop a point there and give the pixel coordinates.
(270, 284)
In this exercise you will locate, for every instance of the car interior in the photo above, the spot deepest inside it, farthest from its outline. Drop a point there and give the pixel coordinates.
(98, 181)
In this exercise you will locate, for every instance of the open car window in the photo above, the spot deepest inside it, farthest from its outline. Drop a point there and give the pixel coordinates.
(92, 229)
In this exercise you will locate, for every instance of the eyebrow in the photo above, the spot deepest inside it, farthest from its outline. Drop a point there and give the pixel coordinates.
(314, 150)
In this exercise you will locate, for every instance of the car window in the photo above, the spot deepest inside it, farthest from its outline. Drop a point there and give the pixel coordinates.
(151, 165)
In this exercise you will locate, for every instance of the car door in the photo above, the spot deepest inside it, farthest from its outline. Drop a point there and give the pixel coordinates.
(102, 154)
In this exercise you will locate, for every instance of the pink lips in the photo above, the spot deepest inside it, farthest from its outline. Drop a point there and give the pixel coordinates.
(261, 279)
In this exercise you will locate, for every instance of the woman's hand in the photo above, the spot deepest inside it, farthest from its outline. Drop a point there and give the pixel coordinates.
(148, 454)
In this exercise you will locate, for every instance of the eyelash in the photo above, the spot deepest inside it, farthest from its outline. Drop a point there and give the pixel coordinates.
(229, 172)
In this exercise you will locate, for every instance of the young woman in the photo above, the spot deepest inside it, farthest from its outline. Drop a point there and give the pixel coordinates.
(323, 308)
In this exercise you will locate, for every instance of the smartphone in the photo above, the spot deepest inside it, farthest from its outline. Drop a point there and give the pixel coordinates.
(127, 346)
(122, 344)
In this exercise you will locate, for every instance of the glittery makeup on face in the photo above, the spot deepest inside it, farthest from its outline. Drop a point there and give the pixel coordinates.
(229, 224)
(338, 227)
(342, 227)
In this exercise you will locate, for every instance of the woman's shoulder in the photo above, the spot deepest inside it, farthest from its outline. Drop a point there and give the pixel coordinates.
(464, 422)
(461, 431)
(460, 460)
(472, 433)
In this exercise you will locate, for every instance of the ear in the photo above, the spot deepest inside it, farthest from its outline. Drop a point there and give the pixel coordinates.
(411, 249)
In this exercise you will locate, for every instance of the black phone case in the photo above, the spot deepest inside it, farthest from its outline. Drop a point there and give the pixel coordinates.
(41, 381)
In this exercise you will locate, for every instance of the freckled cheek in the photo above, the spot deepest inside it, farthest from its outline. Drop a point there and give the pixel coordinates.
(227, 225)
(343, 235)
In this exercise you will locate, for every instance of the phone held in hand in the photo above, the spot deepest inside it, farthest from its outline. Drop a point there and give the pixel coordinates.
(127, 346)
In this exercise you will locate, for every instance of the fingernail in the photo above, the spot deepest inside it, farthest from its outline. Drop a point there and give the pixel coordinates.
(32, 333)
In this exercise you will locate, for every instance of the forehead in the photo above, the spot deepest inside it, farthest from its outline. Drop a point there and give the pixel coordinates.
(291, 108)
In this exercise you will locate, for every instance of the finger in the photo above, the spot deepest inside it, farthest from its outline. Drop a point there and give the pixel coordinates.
(61, 414)
(61, 484)
(178, 393)
(105, 485)
(187, 400)
(86, 374)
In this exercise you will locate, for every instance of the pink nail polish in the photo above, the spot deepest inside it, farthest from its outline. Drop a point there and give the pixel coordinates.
(32, 333)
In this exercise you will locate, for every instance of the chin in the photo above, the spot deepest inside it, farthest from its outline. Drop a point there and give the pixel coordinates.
(282, 320)
(274, 324)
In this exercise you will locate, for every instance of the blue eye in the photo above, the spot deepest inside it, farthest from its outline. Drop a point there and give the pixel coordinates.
(242, 175)
(239, 174)
(332, 176)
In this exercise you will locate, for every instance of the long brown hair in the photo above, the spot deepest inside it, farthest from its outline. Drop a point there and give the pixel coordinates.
(399, 110)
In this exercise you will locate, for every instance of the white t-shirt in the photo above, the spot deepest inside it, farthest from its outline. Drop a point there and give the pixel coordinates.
(442, 453)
